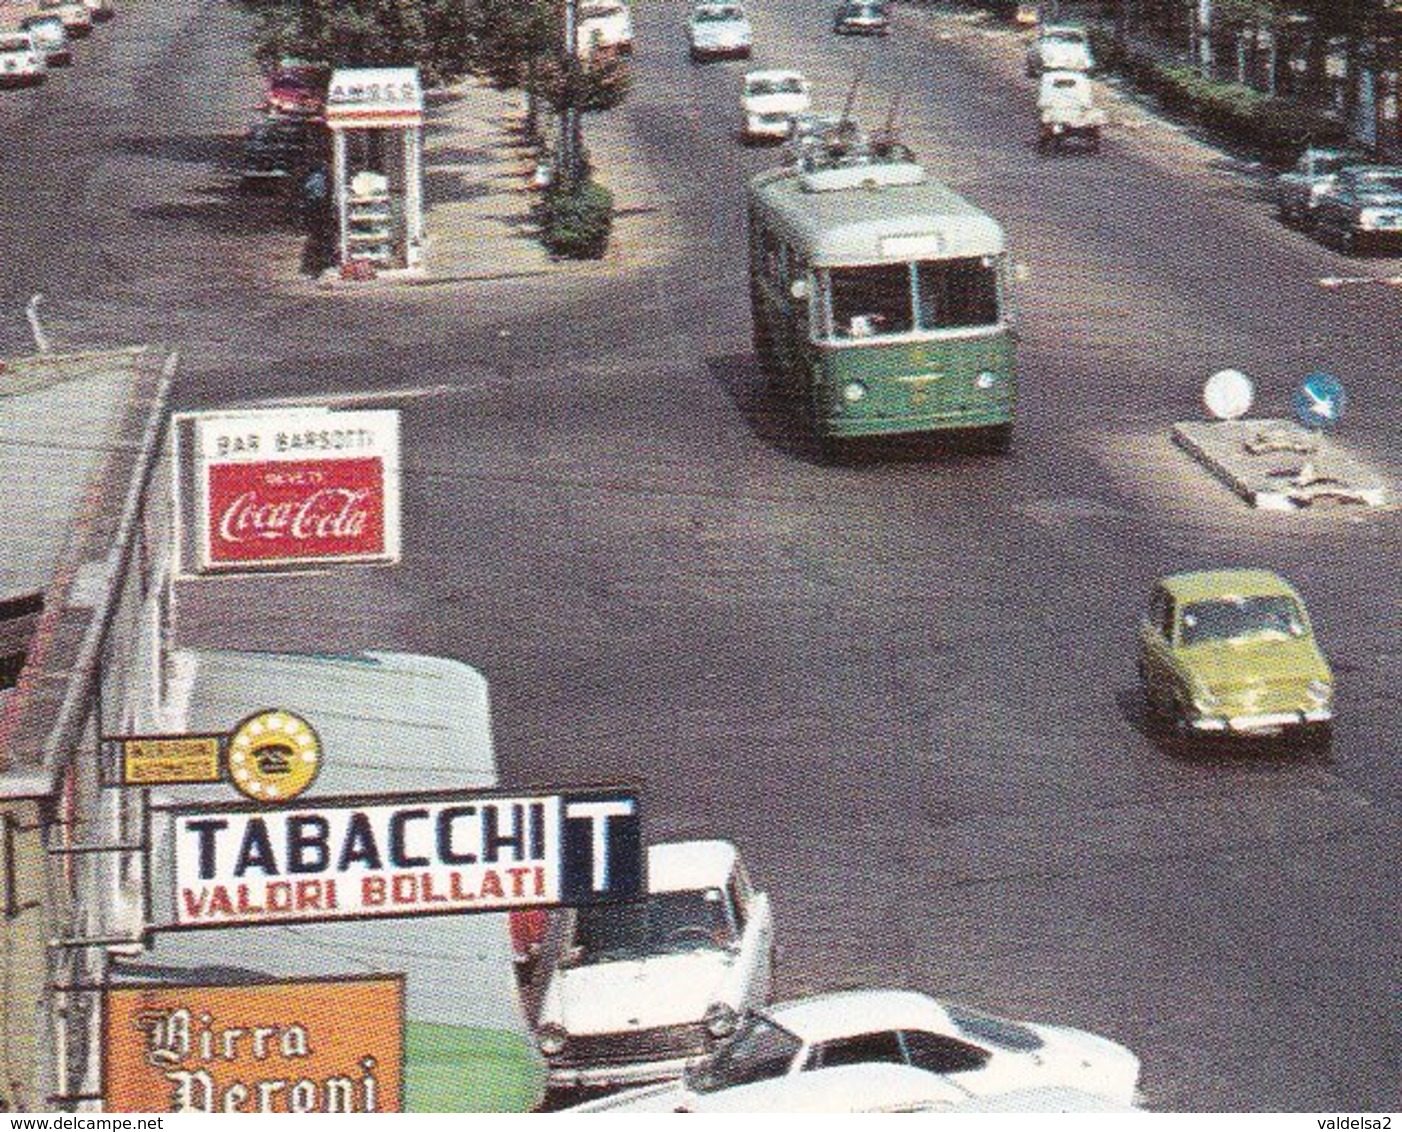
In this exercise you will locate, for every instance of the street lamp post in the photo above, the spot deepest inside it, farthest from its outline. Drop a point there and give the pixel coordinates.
(567, 159)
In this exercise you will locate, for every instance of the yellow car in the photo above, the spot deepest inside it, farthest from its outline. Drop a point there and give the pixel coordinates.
(1231, 652)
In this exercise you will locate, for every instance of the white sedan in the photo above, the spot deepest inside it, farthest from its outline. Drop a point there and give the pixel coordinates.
(769, 101)
(718, 30)
(644, 988)
(950, 1057)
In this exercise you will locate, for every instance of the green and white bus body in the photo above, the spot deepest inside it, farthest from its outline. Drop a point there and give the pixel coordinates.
(884, 298)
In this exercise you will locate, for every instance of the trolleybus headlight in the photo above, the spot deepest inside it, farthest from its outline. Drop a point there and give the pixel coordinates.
(986, 380)
(853, 392)
(1320, 691)
(551, 1039)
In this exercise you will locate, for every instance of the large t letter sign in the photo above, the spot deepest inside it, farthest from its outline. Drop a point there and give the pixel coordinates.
(603, 848)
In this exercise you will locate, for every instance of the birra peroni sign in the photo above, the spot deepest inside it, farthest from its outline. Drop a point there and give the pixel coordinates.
(276, 1047)
(402, 856)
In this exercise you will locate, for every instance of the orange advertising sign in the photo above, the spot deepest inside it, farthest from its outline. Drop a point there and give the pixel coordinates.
(318, 1045)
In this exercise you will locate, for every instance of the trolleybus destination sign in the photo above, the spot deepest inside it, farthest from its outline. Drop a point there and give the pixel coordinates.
(401, 855)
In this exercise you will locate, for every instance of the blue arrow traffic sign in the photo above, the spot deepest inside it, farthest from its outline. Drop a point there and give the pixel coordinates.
(1319, 402)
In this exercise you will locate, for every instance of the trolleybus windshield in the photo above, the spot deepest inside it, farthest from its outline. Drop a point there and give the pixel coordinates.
(888, 299)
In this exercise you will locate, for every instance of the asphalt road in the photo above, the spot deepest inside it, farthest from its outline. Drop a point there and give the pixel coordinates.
(906, 687)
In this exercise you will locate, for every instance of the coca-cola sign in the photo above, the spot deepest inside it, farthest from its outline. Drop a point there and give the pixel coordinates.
(297, 487)
(307, 509)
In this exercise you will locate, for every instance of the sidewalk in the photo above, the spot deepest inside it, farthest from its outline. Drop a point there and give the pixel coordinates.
(478, 199)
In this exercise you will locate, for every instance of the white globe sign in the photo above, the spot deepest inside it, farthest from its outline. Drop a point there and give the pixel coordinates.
(1228, 394)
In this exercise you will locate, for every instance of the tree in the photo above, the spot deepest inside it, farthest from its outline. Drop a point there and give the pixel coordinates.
(429, 34)
(520, 44)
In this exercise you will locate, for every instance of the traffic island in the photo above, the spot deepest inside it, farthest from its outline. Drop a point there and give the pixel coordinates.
(1276, 465)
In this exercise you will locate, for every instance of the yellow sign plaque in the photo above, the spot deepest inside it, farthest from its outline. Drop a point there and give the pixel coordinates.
(171, 760)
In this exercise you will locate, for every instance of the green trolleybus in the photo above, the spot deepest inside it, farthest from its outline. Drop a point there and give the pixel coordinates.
(883, 298)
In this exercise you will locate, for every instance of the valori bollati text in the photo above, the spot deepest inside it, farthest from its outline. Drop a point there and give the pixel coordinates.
(375, 860)
(181, 1046)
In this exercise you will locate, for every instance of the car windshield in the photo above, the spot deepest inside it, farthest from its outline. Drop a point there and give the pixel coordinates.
(760, 1050)
(599, 11)
(718, 15)
(1242, 618)
(992, 1030)
(1070, 38)
(791, 85)
(664, 923)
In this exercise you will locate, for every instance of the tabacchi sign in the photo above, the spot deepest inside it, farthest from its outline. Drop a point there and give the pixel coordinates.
(316, 1045)
(296, 487)
(405, 855)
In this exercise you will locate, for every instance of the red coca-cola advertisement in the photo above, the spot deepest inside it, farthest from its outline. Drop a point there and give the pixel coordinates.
(327, 509)
(289, 488)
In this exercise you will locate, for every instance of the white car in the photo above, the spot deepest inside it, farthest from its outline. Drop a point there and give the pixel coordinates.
(1059, 47)
(870, 1087)
(22, 61)
(769, 101)
(642, 989)
(77, 20)
(968, 1057)
(100, 9)
(604, 26)
(718, 29)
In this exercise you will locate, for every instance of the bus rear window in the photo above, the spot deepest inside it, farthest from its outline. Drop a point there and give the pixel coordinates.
(957, 293)
(870, 301)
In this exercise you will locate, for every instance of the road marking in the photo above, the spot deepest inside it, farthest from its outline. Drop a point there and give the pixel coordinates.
(1334, 282)
(355, 397)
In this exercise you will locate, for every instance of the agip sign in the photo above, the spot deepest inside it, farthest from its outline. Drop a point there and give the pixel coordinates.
(407, 855)
(294, 487)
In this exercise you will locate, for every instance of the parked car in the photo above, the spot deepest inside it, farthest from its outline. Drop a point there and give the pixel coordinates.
(869, 1087)
(49, 34)
(298, 90)
(604, 26)
(768, 102)
(22, 61)
(719, 30)
(1297, 191)
(641, 989)
(1066, 111)
(280, 150)
(1362, 209)
(74, 14)
(965, 1057)
(101, 10)
(1059, 47)
(862, 17)
(1231, 652)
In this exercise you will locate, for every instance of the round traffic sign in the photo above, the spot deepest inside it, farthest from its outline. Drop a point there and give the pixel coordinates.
(1228, 394)
(1320, 400)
